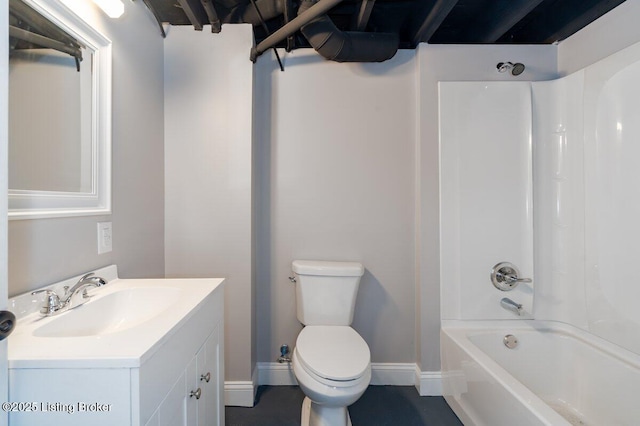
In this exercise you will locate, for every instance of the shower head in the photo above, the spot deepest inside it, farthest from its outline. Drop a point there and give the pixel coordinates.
(516, 69)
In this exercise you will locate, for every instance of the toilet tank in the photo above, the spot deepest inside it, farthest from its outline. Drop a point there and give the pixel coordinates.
(326, 291)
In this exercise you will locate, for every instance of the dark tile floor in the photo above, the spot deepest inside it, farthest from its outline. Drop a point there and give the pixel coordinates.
(379, 406)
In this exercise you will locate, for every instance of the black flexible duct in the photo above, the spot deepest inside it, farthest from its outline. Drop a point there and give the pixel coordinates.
(246, 13)
(341, 46)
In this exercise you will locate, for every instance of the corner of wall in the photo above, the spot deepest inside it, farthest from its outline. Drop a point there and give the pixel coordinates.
(609, 34)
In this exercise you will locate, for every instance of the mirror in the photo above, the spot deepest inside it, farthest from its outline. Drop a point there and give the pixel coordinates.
(59, 113)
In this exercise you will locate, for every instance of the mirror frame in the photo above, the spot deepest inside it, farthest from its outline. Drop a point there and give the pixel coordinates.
(31, 204)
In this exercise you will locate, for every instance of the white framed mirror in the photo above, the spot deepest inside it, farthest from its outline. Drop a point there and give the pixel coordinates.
(59, 113)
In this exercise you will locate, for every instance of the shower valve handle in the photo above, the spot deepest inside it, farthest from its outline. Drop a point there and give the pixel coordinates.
(505, 276)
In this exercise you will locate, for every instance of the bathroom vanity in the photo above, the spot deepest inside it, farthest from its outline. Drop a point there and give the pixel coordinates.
(140, 352)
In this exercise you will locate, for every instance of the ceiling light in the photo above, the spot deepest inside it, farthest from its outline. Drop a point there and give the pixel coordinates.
(113, 8)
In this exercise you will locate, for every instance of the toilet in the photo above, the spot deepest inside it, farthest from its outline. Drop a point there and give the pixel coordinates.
(331, 361)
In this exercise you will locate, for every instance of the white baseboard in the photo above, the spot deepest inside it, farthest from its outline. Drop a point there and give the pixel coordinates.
(396, 374)
(429, 383)
(241, 393)
(276, 374)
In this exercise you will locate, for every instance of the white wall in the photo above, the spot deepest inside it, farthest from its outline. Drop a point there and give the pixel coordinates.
(337, 168)
(48, 250)
(452, 63)
(208, 176)
(608, 34)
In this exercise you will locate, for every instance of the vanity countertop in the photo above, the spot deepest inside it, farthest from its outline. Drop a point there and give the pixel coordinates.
(122, 326)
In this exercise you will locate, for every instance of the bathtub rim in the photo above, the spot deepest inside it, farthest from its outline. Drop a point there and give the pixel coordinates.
(467, 328)
(460, 331)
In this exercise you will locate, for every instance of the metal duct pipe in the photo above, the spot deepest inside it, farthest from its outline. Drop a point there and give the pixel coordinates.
(342, 46)
(246, 13)
(303, 18)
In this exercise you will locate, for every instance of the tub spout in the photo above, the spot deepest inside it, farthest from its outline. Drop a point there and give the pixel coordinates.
(510, 305)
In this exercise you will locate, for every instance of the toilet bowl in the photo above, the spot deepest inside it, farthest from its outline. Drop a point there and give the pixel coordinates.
(331, 361)
(333, 369)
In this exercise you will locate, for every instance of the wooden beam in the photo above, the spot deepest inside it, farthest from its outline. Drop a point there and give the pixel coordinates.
(214, 20)
(497, 19)
(433, 20)
(366, 6)
(189, 9)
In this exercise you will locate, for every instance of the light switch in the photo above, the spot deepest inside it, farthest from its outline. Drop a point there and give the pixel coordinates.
(104, 237)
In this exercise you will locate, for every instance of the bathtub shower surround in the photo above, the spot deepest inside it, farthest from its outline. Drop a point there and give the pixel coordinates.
(486, 198)
(556, 375)
(583, 329)
(589, 201)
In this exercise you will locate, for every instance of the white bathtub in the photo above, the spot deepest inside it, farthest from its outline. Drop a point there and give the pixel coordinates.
(557, 375)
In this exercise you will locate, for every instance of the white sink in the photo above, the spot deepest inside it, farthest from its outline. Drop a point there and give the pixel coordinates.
(121, 326)
(136, 351)
(118, 311)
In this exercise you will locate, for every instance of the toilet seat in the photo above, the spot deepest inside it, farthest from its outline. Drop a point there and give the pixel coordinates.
(335, 355)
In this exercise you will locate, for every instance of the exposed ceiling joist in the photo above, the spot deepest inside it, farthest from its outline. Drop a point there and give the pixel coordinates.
(594, 10)
(190, 9)
(414, 21)
(499, 18)
(433, 20)
(212, 15)
(155, 15)
(366, 6)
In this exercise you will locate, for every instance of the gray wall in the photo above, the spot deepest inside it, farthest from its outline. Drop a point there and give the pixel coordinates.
(208, 164)
(48, 250)
(336, 151)
(612, 32)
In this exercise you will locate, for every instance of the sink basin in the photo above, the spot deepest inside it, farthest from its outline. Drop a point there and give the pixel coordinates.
(123, 325)
(112, 313)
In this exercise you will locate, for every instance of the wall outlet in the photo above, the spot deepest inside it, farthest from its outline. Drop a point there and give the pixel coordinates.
(104, 237)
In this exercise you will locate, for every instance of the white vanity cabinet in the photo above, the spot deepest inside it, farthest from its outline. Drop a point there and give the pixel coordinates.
(196, 397)
(142, 376)
(173, 373)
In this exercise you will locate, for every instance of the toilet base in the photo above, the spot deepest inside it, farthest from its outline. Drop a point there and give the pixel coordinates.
(320, 415)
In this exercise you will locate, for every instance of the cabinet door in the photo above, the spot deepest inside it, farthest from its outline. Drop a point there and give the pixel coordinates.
(193, 392)
(210, 405)
(173, 410)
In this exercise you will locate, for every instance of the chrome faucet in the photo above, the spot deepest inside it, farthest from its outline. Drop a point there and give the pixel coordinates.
(88, 280)
(54, 305)
(512, 306)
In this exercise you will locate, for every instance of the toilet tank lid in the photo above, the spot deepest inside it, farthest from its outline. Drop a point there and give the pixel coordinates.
(332, 269)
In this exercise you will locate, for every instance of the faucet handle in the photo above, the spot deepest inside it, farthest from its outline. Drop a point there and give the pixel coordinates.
(505, 276)
(53, 301)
